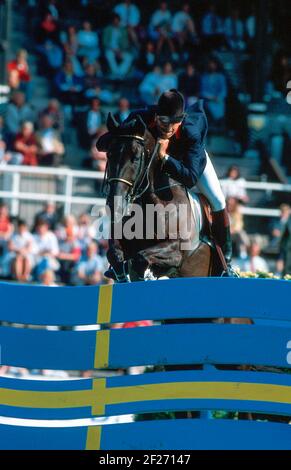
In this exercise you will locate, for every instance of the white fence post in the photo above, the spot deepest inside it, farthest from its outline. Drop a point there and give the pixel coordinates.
(68, 194)
(15, 193)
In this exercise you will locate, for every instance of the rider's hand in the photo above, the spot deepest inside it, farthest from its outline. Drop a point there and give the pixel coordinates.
(163, 147)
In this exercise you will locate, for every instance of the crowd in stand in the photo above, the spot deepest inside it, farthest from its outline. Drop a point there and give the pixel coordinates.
(126, 60)
(52, 251)
(135, 54)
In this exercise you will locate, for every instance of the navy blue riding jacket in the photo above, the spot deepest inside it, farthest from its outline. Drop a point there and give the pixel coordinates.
(186, 150)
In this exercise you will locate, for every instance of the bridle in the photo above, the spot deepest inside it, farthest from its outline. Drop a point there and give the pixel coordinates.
(135, 188)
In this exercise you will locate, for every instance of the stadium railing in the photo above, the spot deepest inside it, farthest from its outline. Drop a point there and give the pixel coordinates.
(13, 189)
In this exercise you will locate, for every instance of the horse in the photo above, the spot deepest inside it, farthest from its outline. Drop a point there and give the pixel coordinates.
(134, 177)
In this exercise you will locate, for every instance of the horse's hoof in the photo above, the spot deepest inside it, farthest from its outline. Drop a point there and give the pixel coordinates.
(110, 274)
(149, 276)
(230, 272)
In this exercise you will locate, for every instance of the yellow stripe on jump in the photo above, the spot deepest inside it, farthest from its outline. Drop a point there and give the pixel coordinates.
(32, 399)
(101, 359)
(104, 304)
(200, 390)
(99, 397)
(93, 440)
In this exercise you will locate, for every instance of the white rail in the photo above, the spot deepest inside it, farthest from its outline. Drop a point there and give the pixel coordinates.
(15, 193)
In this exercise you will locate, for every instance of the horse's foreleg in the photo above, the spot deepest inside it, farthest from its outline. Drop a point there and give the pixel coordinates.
(115, 256)
(161, 258)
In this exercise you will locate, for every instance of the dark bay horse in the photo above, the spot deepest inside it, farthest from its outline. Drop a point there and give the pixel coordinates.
(134, 178)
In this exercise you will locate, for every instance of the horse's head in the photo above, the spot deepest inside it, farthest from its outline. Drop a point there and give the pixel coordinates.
(129, 148)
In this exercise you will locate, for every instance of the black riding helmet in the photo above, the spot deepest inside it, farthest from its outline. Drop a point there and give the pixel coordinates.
(171, 107)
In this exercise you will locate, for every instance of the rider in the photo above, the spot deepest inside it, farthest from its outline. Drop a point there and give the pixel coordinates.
(181, 136)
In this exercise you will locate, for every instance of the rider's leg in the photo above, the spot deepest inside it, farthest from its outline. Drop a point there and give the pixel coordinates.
(209, 185)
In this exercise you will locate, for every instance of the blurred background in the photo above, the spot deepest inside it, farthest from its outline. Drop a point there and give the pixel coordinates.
(65, 64)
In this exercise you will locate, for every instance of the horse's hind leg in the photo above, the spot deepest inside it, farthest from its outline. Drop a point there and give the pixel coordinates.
(198, 264)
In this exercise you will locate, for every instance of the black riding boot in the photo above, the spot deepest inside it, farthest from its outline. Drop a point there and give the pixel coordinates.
(221, 234)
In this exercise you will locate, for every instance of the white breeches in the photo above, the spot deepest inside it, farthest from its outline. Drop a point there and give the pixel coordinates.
(208, 184)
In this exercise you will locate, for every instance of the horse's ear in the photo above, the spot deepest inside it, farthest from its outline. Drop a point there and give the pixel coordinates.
(140, 126)
(112, 124)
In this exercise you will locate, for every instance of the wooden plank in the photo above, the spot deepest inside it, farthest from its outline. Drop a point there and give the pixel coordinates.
(169, 344)
(202, 298)
(181, 390)
(152, 435)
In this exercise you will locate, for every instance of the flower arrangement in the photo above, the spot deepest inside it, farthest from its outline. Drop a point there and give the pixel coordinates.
(261, 275)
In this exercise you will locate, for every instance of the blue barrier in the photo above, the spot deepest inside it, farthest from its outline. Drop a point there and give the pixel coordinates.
(261, 345)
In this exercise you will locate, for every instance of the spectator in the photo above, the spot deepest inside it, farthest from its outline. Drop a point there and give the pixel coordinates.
(128, 13)
(93, 85)
(52, 57)
(68, 227)
(48, 278)
(6, 228)
(239, 237)
(52, 8)
(94, 119)
(98, 159)
(117, 49)
(281, 72)
(86, 231)
(149, 87)
(160, 22)
(168, 79)
(48, 215)
(234, 31)
(7, 157)
(147, 58)
(21, 253)
(189, 84)
(4, 134)
(17, 112)
(51, 148)
(46, 249)
(254, 262)
(91, 82)
(77, 62)
(69, 255)
(69, 87)
(214, 91)
(250, 25)
(212, 28)
(54, 111)
(123, 110)
(18, 72)
(279, 225)
(69, 39)
(88, 43)
(160, 32)
(48, 29)
(285, 249)
(183, 27)
(26, 144)
(89, 271)
(234, 185)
